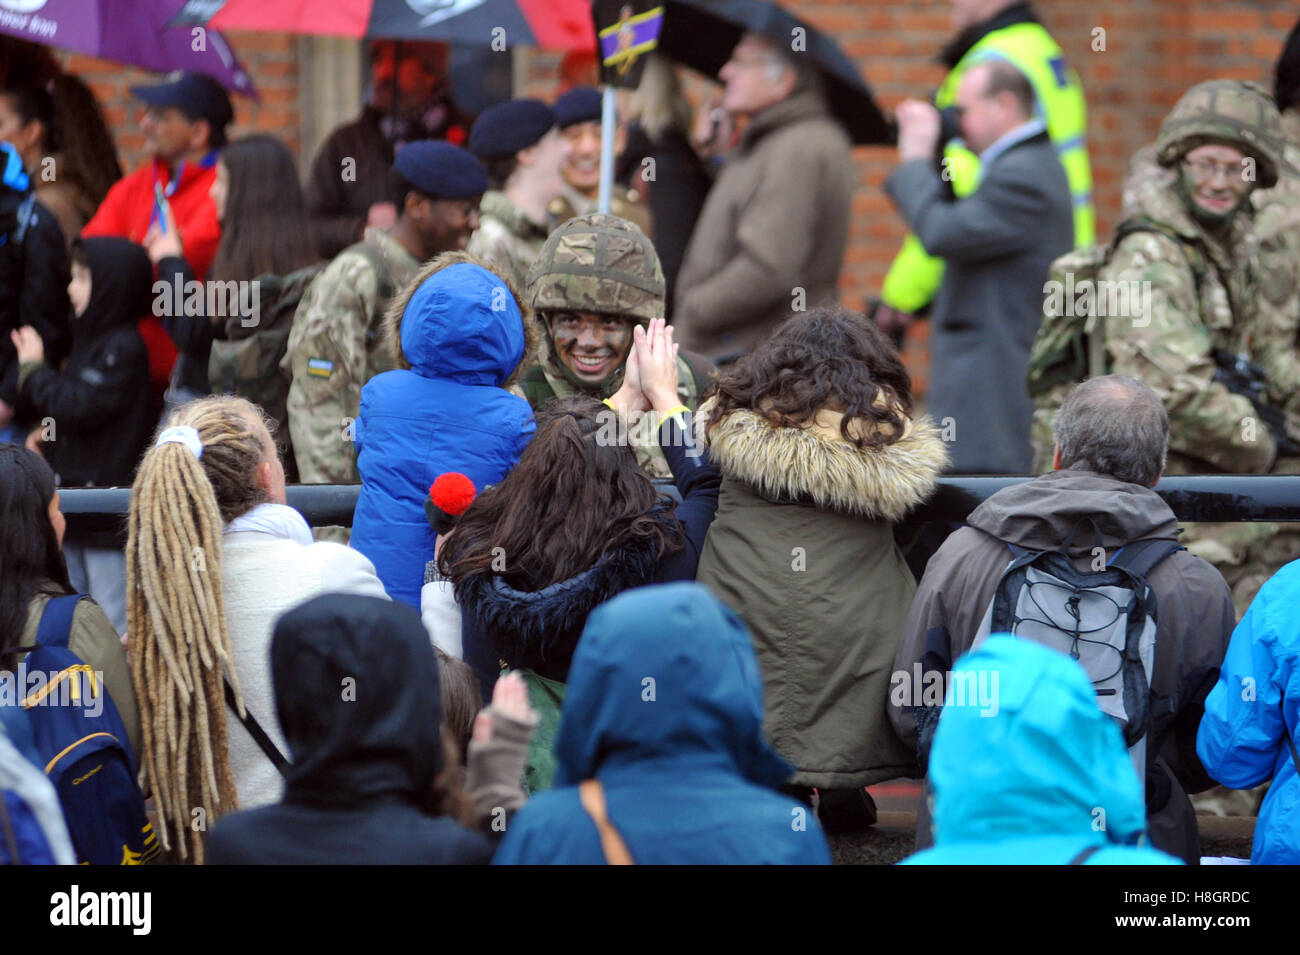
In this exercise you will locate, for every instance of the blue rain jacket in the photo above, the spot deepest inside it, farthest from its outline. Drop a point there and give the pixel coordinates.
(463, 337)
(1028, 770)
(665, 708)
(1242, 741)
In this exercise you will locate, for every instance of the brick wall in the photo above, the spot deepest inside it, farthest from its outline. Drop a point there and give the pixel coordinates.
(271, 60)
(1154, 50)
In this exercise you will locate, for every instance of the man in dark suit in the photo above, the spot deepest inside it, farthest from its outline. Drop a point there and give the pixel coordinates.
(998, 243)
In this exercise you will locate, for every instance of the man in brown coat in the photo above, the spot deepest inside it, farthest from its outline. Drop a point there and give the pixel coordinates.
(1111, 439)
(771, 237)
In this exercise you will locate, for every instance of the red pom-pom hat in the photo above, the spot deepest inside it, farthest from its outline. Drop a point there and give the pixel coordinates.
(452, 493)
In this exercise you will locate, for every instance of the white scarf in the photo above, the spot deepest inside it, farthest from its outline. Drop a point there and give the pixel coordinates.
(277, 520)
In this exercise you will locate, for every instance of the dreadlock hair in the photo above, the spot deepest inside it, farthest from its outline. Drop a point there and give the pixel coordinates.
(180, 648)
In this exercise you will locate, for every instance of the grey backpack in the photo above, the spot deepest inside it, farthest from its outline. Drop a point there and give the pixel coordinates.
(1105, 619)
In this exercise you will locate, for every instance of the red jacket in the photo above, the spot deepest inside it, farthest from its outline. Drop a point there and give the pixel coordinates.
(127, 209)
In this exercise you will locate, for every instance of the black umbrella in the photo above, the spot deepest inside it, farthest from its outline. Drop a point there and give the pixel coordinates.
(702, 33)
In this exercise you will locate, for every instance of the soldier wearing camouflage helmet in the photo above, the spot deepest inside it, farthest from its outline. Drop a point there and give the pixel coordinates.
(1216, 290)
(597, 277)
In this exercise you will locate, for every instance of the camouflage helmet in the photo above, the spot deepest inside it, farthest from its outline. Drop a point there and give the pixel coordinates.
(1233, 112)
(600, 264)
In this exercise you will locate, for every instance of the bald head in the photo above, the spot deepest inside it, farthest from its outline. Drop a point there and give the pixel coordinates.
(1113, 425)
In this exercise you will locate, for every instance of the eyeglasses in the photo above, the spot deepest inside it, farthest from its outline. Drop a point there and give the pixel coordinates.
(1206, 170)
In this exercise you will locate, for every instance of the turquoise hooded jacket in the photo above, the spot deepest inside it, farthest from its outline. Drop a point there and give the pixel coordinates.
(1026, 770)
(665, 707)
(1250, 712)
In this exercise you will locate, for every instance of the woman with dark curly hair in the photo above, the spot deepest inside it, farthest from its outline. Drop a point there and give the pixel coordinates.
(574, 523)
(820, 456)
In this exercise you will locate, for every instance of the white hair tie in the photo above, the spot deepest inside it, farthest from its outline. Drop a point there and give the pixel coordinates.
(182, 434)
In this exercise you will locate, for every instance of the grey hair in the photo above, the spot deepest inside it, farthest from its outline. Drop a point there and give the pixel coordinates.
(1114, 425)
(806, 76)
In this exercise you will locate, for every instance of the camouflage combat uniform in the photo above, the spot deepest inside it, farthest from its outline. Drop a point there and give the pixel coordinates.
(506, 237)
(626, 206)
(604, 265)
(335, 348)
(1236, 290)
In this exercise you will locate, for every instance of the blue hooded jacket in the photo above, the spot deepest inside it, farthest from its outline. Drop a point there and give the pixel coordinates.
(1029, 771)
(1250, 712)
(665, 707)
(463, 336)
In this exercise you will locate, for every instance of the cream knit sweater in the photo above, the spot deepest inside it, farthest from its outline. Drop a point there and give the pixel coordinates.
(263, 576)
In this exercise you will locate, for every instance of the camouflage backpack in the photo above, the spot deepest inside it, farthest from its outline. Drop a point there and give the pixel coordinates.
(1071, 342)
(247, 362)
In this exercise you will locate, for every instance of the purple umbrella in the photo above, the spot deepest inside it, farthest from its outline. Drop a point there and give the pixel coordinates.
(135, 32)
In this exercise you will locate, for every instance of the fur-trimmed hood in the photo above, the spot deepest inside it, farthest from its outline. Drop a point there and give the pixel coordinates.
(816, 464)
(540, 629)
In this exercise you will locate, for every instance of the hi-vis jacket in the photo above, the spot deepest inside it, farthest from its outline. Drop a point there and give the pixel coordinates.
(1017, 37)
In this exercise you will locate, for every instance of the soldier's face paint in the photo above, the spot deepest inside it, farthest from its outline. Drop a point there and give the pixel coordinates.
(593, 347)
(1215, 179)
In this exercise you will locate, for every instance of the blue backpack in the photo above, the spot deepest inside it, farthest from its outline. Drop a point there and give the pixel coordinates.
(87, 757)
(32, 830)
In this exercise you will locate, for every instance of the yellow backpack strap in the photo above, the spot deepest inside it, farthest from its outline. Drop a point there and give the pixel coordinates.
(592, 796)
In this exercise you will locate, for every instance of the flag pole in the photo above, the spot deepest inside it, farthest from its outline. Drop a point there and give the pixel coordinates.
(607, 121)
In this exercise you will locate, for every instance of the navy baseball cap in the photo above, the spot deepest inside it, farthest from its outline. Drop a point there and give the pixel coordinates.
(196, 94)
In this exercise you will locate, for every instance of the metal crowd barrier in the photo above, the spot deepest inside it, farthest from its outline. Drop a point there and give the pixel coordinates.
(1225, 498)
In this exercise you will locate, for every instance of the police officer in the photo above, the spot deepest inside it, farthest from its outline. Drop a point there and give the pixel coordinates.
(1005, 30)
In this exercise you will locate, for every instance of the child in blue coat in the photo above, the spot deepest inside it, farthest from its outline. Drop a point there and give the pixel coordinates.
(460, 337)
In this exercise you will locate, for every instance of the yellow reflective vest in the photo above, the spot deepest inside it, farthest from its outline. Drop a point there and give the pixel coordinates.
(915, 276)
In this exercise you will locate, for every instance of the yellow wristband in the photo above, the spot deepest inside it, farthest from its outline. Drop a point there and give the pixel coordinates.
(610, 405)
(679, 412)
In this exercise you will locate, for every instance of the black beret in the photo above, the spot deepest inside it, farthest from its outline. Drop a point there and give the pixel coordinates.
(441, 169)
(506, 128)
(579, 105)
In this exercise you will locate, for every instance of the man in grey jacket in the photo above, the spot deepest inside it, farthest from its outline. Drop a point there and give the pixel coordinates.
(998, 242)
(771, 237)
(1112, 434)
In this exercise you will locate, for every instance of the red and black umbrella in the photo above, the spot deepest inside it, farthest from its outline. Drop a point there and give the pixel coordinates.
(550, 24)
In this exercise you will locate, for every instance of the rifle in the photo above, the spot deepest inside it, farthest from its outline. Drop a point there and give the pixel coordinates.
(1243, 377)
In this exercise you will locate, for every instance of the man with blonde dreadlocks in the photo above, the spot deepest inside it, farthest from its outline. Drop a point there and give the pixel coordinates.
(214, 557)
